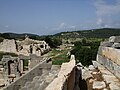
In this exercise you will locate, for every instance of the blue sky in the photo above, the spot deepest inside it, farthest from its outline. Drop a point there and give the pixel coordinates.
(51, 16)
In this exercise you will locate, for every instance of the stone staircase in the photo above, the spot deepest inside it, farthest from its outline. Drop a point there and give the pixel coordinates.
(41, 82)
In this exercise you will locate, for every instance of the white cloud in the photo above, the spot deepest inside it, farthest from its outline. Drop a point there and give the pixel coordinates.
(72, 27)
(107, 12)
(104, 9)
(63, 26)
(99, 21)
(6, 26)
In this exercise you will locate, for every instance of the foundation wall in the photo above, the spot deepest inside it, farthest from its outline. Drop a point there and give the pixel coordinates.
(36, 71)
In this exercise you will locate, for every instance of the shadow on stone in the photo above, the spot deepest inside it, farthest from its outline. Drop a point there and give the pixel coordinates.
(83, 85)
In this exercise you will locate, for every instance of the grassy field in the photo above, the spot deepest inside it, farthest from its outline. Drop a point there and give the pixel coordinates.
(59, 56)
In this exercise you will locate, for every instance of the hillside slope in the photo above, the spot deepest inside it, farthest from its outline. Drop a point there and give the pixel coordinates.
(94, 33)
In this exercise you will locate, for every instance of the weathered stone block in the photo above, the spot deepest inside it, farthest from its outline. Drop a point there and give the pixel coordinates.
(114, 39)
(109, 78)
(98, 85)
(91, 67)
(112, 54)
(116, 45)
(8, 46)
(106, 44)
(110, 65)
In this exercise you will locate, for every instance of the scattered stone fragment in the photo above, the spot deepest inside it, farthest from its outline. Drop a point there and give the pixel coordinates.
(2, 83)
(99, 85)
(105, 89)
(114, 39)
(91, 67)
(106, 44)
(116, 45)
(91, 81)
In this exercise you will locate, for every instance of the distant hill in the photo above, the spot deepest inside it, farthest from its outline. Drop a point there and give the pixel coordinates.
(21, 35)
(17, 36)
(94, 33)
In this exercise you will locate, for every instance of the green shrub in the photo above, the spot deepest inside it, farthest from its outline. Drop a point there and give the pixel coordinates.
(85, 52)
(25, 62)
(59, 62)
(7, 53)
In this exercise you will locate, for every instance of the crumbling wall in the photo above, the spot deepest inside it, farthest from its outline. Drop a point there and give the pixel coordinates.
(8, 45)
(25, 47)
(66, 77)
(36, 71)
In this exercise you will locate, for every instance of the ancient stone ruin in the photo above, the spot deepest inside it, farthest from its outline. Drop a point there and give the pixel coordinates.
(104, 74)
(13, 75)
(66, 77)
(25, 47)
(109, 55)
(12, 68)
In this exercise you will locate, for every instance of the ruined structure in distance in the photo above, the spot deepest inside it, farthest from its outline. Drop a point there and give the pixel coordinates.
(42, 75)
(25, 47)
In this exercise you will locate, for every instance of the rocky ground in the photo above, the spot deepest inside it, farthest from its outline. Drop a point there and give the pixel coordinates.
(92, 78)
(96, 81)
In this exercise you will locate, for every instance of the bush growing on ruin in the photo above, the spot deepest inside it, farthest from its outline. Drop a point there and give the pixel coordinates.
(7, 53)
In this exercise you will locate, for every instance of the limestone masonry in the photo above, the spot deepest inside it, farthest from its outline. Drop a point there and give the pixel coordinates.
(109, 55)
(25, 47)
(66, 77)
(104, 74)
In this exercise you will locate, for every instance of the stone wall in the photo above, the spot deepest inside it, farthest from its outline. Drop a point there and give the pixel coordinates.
(38, 70)
(66, 77)
(33, 60)
(25, 47)
(8, 46)
(110, 65)
(109, 55)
